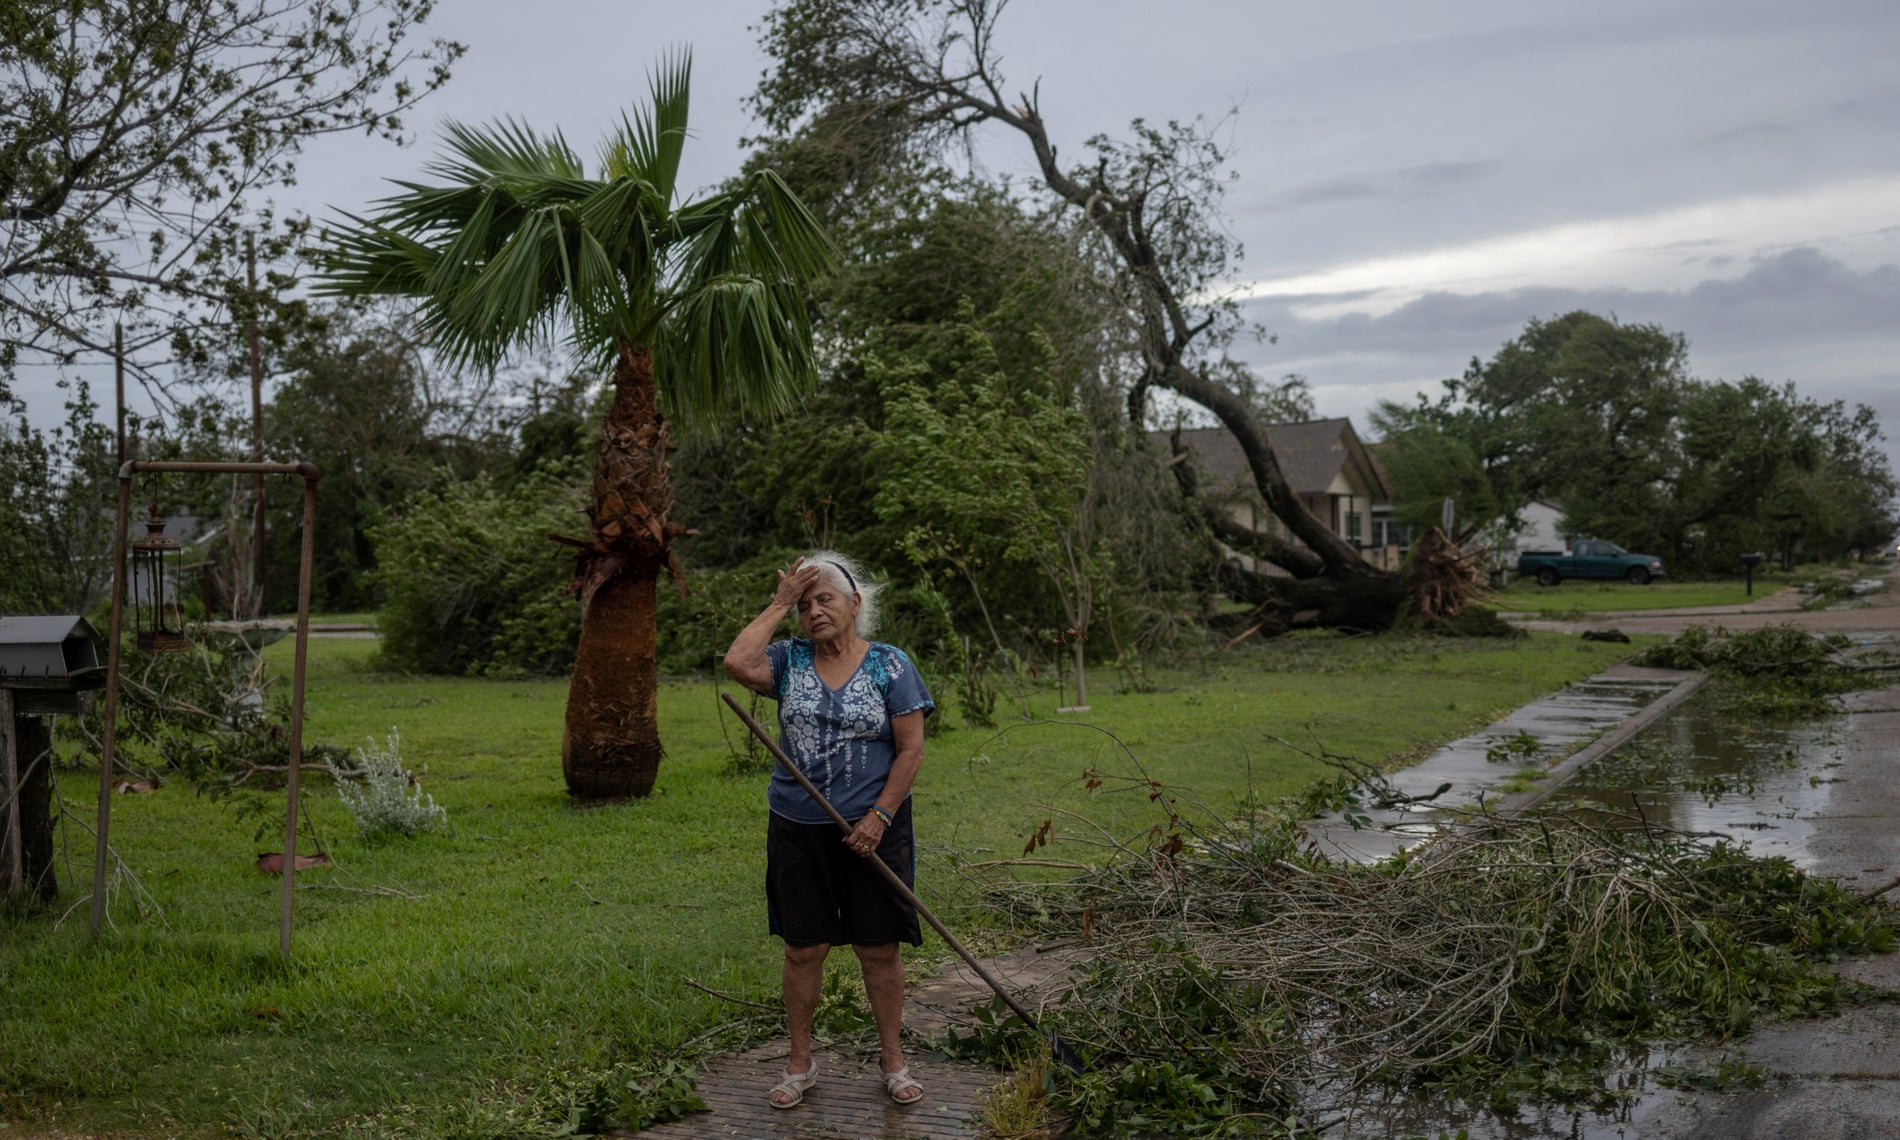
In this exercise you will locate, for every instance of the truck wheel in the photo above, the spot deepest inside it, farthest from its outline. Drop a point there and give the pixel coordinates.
(1548, 576)
(1638, 576)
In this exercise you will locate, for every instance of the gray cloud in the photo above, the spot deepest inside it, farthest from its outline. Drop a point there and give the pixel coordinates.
(1402, 184)
(1794, 315)
(1800, 293)
(1880, 109)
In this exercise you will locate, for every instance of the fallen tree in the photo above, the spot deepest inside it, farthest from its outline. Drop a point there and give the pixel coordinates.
(922, 75)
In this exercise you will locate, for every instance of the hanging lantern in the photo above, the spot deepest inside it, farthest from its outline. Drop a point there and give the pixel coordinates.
(157, 618)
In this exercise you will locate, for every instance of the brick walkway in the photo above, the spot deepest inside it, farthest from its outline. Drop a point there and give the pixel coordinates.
(848, 1102)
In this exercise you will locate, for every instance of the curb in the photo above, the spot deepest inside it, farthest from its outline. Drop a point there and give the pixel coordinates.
(1602, 746)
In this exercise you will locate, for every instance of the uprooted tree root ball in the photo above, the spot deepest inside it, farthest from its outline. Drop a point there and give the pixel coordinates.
(1233, 976)
(1441, 579)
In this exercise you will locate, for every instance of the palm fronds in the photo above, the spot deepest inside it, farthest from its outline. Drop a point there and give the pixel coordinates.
(517, 247)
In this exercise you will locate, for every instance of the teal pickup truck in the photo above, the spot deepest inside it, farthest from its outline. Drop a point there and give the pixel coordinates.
(1589, 559)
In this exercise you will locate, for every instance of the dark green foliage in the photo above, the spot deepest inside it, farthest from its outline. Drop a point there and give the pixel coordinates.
(1603, 419)
(210, 715)
(1472, 621)
(362, 402)
(1778, 671)
(1777, 651)
(695, 630)
(472, 584)
(968, 374)
(658, 1098)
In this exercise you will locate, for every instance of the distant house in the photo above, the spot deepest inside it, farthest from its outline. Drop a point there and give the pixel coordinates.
(1540, 528)
(1335, 476)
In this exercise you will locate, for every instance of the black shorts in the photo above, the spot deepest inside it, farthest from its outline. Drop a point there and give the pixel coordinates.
(818, 893)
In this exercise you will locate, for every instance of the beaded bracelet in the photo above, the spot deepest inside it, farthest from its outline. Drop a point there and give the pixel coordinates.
(887, 817)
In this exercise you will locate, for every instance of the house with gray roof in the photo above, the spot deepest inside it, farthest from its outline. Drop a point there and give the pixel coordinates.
(1334, 474)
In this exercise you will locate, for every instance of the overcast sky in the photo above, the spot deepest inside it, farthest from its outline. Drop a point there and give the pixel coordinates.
(1417, 177)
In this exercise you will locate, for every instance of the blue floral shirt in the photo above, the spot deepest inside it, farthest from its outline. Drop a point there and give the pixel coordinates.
(841, 737)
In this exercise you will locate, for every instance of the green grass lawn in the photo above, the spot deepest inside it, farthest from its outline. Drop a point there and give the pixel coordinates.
(439, 982)
(1524, 595)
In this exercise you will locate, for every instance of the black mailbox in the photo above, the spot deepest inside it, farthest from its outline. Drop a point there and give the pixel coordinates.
(1749, 562)
(50, 663)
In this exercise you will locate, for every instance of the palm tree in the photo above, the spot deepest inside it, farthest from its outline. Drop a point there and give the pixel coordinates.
(698, 309)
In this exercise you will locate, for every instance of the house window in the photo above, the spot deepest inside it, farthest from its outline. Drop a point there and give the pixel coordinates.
(1354, 530)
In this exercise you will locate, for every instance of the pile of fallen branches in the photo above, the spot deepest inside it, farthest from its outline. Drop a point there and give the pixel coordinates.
(1780, 670)
(208, 714)
(1271, 972)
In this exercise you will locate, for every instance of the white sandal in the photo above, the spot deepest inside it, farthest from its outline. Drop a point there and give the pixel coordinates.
(902, 1087)
(795, 1084)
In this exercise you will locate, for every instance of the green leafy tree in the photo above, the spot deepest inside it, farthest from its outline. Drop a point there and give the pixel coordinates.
(1602, 418)
(470, 584)
(1578, 408)
(985, 471)
(1429, 463)
(361, 398)
(933, 264)
(696, 307)
(134, 135)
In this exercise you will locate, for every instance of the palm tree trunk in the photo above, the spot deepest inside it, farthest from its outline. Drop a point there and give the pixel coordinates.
(611, 748)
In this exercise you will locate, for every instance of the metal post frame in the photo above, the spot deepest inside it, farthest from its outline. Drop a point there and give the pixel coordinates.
(293, 792)
(308, 473)
(110, 748)
(10, 772)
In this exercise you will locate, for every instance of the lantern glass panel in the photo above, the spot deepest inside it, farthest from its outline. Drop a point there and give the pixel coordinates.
(158, 619)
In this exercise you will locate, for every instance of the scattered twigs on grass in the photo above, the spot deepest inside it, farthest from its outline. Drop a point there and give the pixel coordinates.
(723, 1027)
(379, 892)
(121, 879)
(728, 997)
(325, 767)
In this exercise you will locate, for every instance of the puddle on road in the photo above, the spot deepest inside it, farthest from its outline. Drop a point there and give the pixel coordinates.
(1759, 784)
(1374, 1115)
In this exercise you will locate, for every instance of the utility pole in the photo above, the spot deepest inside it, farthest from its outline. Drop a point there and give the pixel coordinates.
(118, 381)
(258, 607)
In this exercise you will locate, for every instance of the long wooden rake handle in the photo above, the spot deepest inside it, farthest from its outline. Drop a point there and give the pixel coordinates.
(890, 876)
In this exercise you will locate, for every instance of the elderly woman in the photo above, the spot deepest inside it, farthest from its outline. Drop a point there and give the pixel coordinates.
(851, 715)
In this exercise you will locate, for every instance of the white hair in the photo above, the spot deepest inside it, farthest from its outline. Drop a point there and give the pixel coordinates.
(844, 573)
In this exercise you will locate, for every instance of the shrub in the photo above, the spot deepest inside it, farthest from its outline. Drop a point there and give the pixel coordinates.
(390, 799)
(695, 630)
(472, 584)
